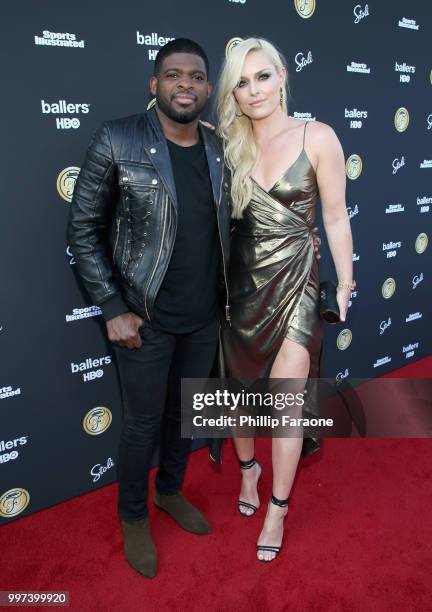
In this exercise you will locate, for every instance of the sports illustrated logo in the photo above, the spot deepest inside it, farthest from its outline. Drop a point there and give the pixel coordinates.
(394, 208)
(6, 392)
(401, 119)
(58, 39)
(408, 23)
(301, 60)
(360, 13)
(429, 122)
(65, 108)
(354, 166)
(397, 164)
(232, 44)
(99, 470)
(66, 182)
(11, 445)
(340, 376)
(385, 325)
(424, 202)
(13, 502)
(69, 253)
(152, 40)
(421, 243)
(391, 248)
(356, 117)
(305, 8)
(352, 212)
(83, 313)
(413, 317)
(97, 420)
(303, 116)
(355, 257)
(382, 361)
(344, 339)
(89, 364)
(409, 350)
(426, 163)
(406, 72)
(358, 67)
(417, 279)
(388, 288)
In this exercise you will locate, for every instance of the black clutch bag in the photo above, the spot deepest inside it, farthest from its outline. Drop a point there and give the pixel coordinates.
(328, 306)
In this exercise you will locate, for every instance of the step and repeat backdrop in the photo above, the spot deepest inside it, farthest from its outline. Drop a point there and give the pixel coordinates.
(364, 68)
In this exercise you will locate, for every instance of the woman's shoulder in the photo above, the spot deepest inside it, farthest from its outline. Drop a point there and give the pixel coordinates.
(320, 137)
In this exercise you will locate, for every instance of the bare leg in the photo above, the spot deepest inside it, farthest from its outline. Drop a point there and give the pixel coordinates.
(245, 448)
(292, 361)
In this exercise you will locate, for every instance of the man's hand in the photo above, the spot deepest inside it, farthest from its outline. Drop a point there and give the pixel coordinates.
(316, 242)
(123, 330)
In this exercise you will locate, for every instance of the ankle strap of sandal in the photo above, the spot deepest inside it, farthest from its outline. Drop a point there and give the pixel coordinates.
(283, 503)
(246, 465)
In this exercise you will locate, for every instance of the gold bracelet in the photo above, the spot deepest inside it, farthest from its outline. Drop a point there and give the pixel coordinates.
(350, 285)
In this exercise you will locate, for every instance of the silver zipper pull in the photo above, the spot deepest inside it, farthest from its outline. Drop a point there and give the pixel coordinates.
(227, 314)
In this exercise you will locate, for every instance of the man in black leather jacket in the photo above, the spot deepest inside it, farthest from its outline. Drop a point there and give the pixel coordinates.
(149, 229)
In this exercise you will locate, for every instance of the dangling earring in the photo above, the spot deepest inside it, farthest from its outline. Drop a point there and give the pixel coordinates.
(281, 97)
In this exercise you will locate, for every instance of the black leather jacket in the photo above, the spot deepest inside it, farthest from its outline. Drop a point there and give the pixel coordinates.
(123, 215)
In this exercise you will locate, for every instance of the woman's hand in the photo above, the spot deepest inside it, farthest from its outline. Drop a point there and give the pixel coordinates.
(343, 298)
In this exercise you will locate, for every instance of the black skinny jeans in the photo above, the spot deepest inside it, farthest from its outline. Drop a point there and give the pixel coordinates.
(150, 379)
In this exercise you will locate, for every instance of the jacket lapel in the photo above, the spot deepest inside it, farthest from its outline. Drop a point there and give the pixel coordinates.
(215, 163)
(159, 156)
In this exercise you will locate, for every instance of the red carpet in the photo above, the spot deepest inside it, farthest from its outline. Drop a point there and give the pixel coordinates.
(358, 537)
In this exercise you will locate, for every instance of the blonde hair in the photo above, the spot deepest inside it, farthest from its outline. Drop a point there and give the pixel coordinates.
(235, 129)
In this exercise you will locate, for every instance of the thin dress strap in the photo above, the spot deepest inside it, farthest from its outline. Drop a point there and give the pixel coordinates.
(304, 133)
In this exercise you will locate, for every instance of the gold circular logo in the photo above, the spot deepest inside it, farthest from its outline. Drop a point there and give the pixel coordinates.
(66, 182)
(231, 44)
(97, 420)
(13, 502)
(151, 104)
(388, 288)
(344, 339)
(401, 119)
(305, 8)
(353, 166)
(421, 243)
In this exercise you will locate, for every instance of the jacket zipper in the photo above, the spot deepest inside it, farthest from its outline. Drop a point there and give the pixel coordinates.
(227, 306)
(117, 237)
(157, 260)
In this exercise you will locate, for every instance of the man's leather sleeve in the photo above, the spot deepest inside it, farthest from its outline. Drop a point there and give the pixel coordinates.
(91, 212)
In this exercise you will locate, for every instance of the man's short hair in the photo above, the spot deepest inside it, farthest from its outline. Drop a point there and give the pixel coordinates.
(179, 45)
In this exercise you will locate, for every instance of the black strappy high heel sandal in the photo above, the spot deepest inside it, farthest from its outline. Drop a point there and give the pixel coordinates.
(247, 465)
(282, 503)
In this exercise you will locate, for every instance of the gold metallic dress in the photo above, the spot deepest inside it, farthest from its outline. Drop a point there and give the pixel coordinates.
(273, 276)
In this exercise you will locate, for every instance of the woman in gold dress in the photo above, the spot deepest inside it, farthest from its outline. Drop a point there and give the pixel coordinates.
(278, 166)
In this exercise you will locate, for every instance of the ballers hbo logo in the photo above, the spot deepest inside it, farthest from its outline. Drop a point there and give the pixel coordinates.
(66, 182)
(14, 502)
(344, 339)
(401, 119)
(231, 44)
(305, 8)
(421, 243)
(388, 288)
(97, 420)
(353, 166)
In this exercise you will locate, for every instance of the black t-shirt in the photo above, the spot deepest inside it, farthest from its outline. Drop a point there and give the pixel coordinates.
(187, 299)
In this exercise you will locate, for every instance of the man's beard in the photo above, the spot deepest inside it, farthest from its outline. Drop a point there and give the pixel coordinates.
(180, 116)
